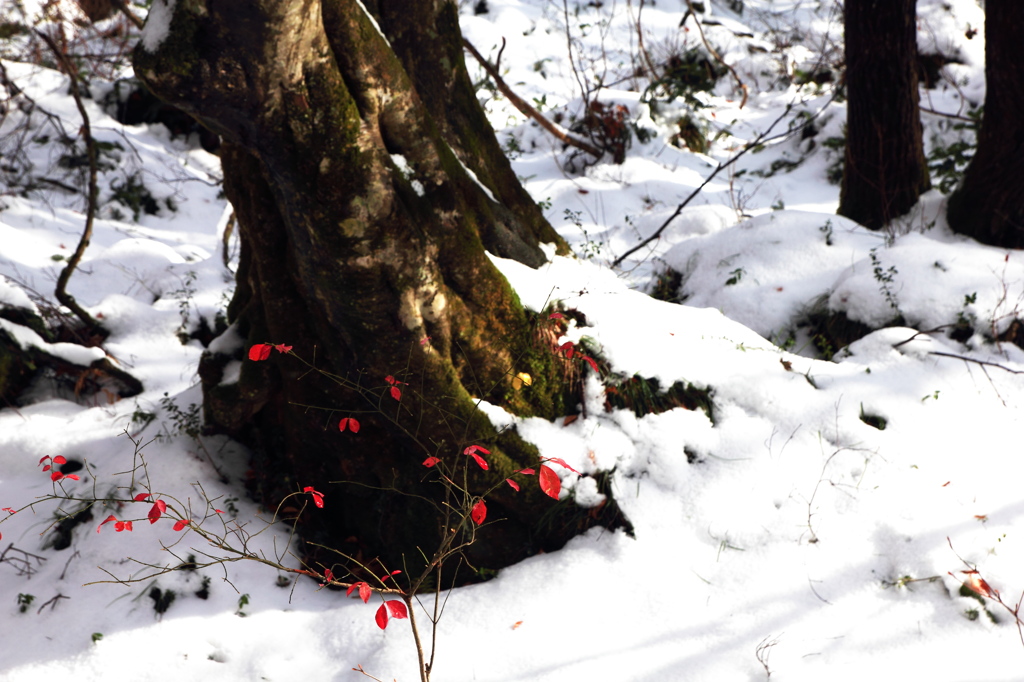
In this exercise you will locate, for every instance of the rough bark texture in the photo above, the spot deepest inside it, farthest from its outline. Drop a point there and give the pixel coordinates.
(370, 264)
(885, 169)
(989, 204)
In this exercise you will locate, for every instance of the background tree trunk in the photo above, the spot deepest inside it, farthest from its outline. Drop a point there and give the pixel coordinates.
(989, 204)
(363, 246)
(885, 169)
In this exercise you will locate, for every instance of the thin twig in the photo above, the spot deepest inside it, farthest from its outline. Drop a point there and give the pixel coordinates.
(92, 195)
(718, 58)
(757, 141)
(528, 110)
(983, 363)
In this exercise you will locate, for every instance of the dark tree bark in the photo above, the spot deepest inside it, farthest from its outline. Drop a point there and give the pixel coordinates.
(989, 204)
(885, 169)
(366, 268)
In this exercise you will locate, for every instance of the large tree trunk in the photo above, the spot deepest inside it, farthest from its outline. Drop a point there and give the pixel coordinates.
(989, 204)
(363, 246)
(885, 169)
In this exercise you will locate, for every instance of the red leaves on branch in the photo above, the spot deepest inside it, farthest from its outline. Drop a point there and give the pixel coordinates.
(55, 461)
(570, 350)
(118, 525)
(349, 423)
(141, 496)
(158, 508)
(515, 486)
(396, 392)
(430, 461)
(261, 351)
(392, 607)
(478, 513)
(318, 497)
(472, 450)
(364, 591)
(181, 524)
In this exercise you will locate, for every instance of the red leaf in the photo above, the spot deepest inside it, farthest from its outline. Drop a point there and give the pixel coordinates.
(566, 346)
(73, 477)
(555, 316)
(569, 353)
(526, 472)
(141, 496)
(397, 609)
(43, 458)
(260, 351)
(364, 590)
(123, 525)
(158, 508)
(395, 393)
(976, 583)
(56, 476)
(479, 460)
(328, 575)
(59, 460)
(430, 461)
(476, 448)
(591, 362)
(10, 510)
(478, 513)
(182, 523)
(318, 497)
(550, 484)
(106, 521)
(382, 616)
(47, 467)
(515, 486)
(559, 460)
(281, 348)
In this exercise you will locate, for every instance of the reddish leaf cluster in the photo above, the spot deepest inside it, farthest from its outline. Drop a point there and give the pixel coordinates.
(569, 348)
(393, 608)
(318, 497)
(155, 512)
(472, 450)
(350, 424)
(54, 474)
(396, 392)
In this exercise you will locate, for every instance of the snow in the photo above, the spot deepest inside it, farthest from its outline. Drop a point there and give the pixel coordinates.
(158, 24)
(782, 533)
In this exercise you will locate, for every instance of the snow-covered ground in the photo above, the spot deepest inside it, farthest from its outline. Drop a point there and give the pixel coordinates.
(815, 527)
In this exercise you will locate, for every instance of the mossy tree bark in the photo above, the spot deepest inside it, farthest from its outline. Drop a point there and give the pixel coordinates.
(367, 186)
(989, 204)
(885, 169)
